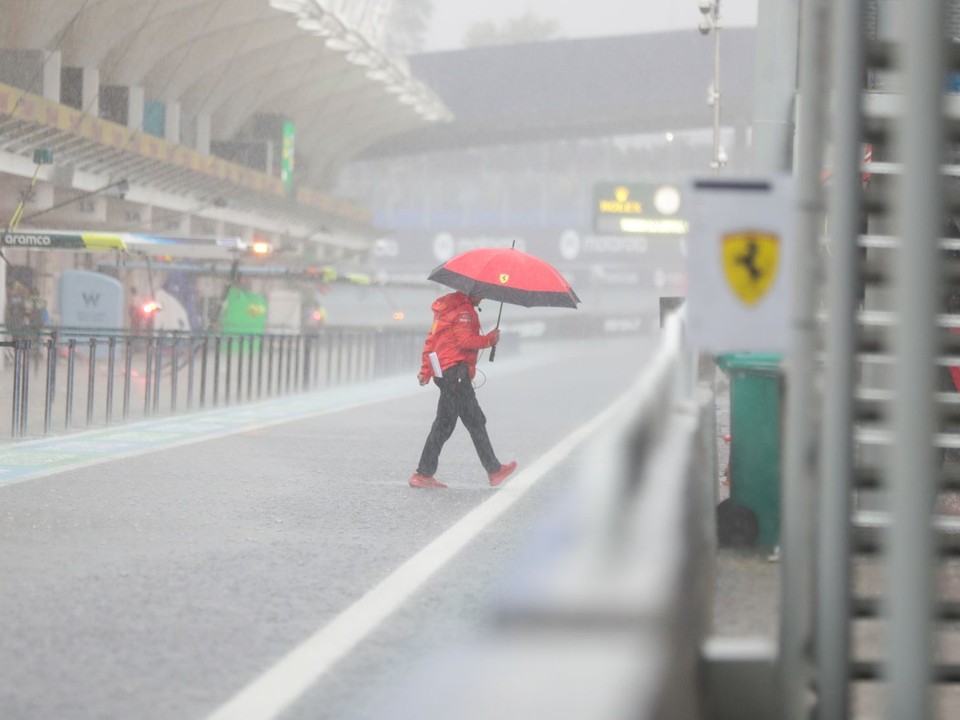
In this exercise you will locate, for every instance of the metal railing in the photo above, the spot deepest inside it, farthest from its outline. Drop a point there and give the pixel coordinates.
(64, 380)
(863, 494)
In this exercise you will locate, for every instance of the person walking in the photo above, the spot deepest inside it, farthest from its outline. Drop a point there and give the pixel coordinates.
(455, 338)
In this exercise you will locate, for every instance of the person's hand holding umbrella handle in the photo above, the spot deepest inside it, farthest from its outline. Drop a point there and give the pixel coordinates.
(495, 336)
(493, 349)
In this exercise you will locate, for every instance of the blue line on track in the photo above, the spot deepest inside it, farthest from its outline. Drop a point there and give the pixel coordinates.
(37, 458)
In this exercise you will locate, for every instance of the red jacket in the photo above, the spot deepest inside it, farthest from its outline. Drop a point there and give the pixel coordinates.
(455, 335)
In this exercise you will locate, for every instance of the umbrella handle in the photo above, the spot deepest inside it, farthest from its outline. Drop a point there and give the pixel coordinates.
(493, 350)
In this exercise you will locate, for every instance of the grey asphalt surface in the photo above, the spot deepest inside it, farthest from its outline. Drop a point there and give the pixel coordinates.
(160, 584)
(747, 592)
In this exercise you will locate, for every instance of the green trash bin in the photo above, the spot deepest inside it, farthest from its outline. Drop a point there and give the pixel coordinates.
(756, 392)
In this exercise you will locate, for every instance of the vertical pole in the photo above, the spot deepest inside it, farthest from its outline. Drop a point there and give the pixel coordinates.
(157, 374)
(279, 384)
(913, 467)
(205, 349)
(216, 369)
(3, 303)
(297, 361)
(329, 372)
(227, 372)
(270, 368)
(148, 378)
(174, 370)
(250, 347)
(291, 359)
(281, 349)
(17, 388)
(716, 91)
(127, 373)
(51, 384)
(775, 81)
(91, 378)
(71, 367)
(797, 536)
(191, 370)
(261, 345)
(836, 440)
(111, 371)
(25, 395)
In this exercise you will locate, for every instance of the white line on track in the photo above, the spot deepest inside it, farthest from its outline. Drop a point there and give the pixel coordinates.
(280, 686)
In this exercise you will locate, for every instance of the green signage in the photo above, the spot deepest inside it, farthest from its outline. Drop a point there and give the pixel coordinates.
(245, 313)
(637, 209)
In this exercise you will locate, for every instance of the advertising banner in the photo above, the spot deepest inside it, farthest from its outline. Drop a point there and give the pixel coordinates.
(90, 300)
(739, 264)
(245, 313)
(638, 209)
(569, 250)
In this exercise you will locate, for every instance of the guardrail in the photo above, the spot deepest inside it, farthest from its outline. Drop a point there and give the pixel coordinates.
(612, 622)
(71, 379)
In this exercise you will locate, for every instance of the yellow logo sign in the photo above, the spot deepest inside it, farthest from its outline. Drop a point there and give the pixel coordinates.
(503, 278)
(750, 262)
(621, 204)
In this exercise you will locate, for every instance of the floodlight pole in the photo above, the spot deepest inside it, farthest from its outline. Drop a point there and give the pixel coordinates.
(715, 96)
(710, 22)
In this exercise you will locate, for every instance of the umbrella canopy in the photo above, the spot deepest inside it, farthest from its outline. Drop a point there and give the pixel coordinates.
(506, 275)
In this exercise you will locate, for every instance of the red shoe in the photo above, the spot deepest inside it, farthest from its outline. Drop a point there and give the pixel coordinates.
(422, 481)
(500, 475)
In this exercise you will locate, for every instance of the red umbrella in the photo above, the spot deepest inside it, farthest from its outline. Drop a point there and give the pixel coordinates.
(507, 275)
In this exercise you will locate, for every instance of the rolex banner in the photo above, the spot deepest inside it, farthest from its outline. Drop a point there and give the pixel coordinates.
(739, 264)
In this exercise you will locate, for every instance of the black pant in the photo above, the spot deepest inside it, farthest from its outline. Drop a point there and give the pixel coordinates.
(457, 400)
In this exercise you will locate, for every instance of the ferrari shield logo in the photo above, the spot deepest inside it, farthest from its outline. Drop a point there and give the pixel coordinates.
(503, 278)
(750, 263)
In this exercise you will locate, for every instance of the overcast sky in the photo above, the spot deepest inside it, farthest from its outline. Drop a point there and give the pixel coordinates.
(580, 18)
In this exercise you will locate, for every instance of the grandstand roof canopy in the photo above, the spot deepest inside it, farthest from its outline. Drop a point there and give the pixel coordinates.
(233, 59)
(621, 85)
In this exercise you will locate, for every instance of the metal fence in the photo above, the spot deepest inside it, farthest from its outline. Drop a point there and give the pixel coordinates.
(64, 380)
(870, 539)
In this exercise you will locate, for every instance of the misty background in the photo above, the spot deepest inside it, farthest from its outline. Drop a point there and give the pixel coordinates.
(532, 87)
(451, 21)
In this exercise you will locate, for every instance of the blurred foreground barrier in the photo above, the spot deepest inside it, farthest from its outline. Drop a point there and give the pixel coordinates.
(610, 620)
